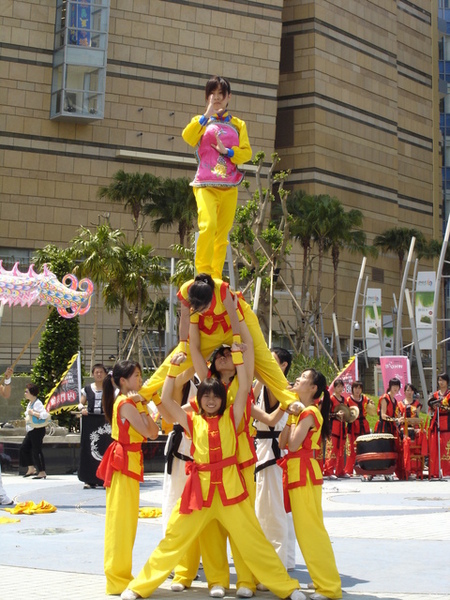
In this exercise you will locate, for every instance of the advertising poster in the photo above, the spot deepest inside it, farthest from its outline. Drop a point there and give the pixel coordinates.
(373, 297)
(395, 366)
(388, 335)
(424, 300)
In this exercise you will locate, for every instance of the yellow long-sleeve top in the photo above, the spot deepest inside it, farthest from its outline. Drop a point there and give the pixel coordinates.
(216, 169)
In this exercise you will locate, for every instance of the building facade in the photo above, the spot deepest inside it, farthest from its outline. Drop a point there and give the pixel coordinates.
(345, 91)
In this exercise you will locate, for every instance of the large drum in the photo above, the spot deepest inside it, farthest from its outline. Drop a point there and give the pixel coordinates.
(376, 454)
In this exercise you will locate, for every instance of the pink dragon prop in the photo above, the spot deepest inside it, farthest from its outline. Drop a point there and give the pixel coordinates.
(44, 288)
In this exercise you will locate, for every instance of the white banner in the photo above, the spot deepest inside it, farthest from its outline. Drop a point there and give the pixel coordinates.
(424, 300)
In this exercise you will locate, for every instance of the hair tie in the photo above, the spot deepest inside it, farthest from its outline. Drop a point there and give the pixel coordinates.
(110, 373)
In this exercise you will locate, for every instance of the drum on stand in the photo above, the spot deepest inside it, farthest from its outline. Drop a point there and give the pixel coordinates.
(376, 454)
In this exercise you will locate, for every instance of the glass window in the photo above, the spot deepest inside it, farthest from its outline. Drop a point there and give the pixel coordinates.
(79, 60)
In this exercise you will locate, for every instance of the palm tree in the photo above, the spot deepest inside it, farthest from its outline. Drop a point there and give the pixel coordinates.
(398, 241)
(98, 256)
(135, 190)
(346, 234)
(174, 205)
(141, 271)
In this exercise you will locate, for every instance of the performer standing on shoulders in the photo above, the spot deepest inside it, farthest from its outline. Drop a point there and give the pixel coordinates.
(222, 145)
(439, 431)
(361, 425)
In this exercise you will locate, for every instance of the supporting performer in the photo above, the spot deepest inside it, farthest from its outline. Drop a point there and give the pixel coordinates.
(214, 490)
(303, 483)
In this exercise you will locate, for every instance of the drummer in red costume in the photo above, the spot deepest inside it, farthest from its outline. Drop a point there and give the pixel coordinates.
(439, 405)
(222, 144)
(335, 453)
(360, 426)
(389, 418)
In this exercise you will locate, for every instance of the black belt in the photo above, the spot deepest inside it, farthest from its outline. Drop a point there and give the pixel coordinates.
(267, 435)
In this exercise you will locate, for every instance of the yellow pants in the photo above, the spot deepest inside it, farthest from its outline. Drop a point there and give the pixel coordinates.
(122, 510)
(266, 367)
(313, 539)
(186, 570)
(216, 208)
(213, 545)
(243, 527)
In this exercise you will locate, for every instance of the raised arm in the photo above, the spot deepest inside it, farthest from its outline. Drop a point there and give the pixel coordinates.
(230, 306)
(169, 404)
(200, 366)
(240, 400)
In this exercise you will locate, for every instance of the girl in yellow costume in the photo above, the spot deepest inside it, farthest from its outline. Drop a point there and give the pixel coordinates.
(214, 543)
(209, 318)
(122, 469)
(222, 144)
(215, 490)
(302, 479)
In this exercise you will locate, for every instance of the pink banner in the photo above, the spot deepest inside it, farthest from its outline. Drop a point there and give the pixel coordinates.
(398, 367)
(349, 374)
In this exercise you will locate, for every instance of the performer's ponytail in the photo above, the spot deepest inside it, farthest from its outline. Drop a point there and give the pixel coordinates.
(318, 379)
(200, 293)
(111, 383)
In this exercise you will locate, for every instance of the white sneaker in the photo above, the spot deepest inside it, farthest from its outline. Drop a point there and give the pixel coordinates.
(261, 587)
(217, 591)
(177, 587)
(244, 592)
(129, 595)
(297, 595)
(317, 596)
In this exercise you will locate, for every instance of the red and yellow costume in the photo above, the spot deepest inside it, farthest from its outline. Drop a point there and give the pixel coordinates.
(359, 427)
(335, 451)
(302, 481)
(215, 330)
(213, 541)
(215, 490)
(389, 426)
(443, 408)
(215, 184)
(122, 468)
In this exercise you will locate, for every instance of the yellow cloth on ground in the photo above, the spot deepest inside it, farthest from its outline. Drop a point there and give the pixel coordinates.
(149, 512)
(30, 508)
(5, 520)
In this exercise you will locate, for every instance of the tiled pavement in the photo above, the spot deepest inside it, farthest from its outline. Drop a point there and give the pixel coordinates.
(391, 540)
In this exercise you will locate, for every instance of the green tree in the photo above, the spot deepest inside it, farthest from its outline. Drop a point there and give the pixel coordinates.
(98, 256)
(134, 190)
(398, 240)
(141, 271)
(175, 205)
(60, 339)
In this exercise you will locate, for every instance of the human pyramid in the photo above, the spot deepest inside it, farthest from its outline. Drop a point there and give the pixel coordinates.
(209, 489)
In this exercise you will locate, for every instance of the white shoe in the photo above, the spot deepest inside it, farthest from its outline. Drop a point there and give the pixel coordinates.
(217, 591)
(317, 596)
(244, 592)
(261, 587)
(129, 595)
(297, 595)
(332, 477)
(177, 587)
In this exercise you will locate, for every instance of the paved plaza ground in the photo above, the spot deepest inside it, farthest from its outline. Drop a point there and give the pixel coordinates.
(391, 540)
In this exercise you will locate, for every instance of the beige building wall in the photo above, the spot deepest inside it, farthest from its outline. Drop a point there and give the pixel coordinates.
(353, 100)
(160, 56)
(356, 120)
